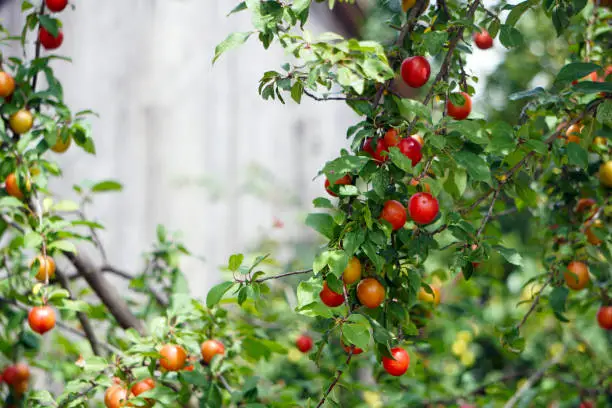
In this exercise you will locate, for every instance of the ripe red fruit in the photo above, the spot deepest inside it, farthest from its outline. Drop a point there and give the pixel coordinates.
(41, 319)
(415, 71)
(411, 149)
(392, 138)
(115, 396)
(304, 343)
(586, 404)
(460, 112)
(341, 181)
(423, 208)
(16, 373)
(483, 39)
(143, 386)
(173, 357)
(56, 5)
(356, 350)
(604, 317)
(381, 146)
(399, 364)
(370, 293)
(48, 41)
(394, 212)
(577, 275)
(329, 297)
(211, 348)
(7, 85)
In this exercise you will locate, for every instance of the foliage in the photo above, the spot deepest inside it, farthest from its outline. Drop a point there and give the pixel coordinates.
(518, 196)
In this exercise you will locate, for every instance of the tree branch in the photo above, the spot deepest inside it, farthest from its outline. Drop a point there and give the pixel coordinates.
(115, 304)
(267, 278)
(535, 302)
(534, 378)
(336, 379)
(87, 328)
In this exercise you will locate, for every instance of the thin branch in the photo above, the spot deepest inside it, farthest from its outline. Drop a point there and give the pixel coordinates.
(37, 51)
(534, 378)
(87, 327)
(336, 379)
(267, 278)
(535, 302)
(113, 301)
(407, 28)
(334, 98)
(225, 383)
(489, 213)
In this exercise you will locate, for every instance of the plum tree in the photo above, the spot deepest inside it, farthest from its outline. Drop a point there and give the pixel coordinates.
(502, 212)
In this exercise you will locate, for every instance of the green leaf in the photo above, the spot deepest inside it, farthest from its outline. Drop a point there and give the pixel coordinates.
(377, 70)
(353, 240)
(215, 294)
(510, 37)
(401, 161)
(518, 11)
(322, 223)
(517, 96)
(63, 245)
(107, 185)
(380, 181)
(592, 87)
(235, 261)
(510, 255)
(240, 7)
(475, 165)
(575, 71)
(321, 202)
(32, 240)
(232, 41)
(343, 165)
(349, 79)
(434, 41)
(65, 205)
(557, 300)
(577, 155)
(10, 202)
(411, 108)
(356, 334)
(297, 90)
(50, 24)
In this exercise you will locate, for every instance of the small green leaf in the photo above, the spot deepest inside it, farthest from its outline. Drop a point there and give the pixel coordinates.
(322, 223)
(232, 41)
(577, 155)
(63, 245)
(575, 71)
(235, 261)
(216, 293)
(107, 185)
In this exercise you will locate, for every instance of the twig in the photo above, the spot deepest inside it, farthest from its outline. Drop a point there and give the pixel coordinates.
(336, 379)
(334, 98)
(225, 383)
(410, 22)
(267, 278)
(534, 378)
(87, 328)
(37, 51)
(535, 302)
(489, 213)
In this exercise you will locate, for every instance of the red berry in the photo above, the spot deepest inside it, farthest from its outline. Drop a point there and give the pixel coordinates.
(399, 364)
(392, 137)
(423, 208)
(344, 180)
(586, 404)
(604, 317)
(48, 41)
(411, 149)
(415, 71)
(56, 5)
(304, 343)
(460, 112)
(329, 297)
(394, 212)
(381, 146)
(483, 39)
(41, 319)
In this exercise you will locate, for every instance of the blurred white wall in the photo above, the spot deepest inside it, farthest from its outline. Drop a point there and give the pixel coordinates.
(186, 137)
